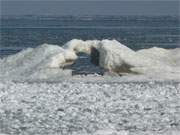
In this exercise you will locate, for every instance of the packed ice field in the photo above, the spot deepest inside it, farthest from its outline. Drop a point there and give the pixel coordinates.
(138, 93)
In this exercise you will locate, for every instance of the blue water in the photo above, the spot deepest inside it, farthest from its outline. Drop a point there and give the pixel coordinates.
(19, 32)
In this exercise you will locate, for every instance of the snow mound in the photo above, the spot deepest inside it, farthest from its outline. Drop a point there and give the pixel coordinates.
(42, 62)
(47, 61)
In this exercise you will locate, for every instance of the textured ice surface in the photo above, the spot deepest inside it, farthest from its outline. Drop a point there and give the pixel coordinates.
(90, 108)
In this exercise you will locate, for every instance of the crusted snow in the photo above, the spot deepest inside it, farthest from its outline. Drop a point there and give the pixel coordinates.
(86, 108)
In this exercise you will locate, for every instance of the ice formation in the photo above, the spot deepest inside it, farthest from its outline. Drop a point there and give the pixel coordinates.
(47, 61)
(42, 62)
(90, 105)
(116, 57)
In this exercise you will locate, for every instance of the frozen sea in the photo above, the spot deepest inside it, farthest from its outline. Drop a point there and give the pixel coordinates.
(87, 103)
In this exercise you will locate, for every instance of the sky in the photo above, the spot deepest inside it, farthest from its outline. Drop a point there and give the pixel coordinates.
(89, 7)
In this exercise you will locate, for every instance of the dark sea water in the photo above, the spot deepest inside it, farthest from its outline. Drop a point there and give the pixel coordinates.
(137, 32)
(19, 32)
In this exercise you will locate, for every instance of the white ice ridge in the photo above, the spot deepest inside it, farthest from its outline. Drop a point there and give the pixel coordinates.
(47, 61)
(116, 57)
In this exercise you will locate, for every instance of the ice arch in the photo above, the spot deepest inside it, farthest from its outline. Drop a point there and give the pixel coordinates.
(108, 54)
(116, 57)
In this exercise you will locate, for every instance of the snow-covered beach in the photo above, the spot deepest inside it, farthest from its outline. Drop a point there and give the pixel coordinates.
(89, 67)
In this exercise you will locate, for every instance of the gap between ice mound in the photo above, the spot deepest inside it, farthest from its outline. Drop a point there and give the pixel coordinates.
(49, 61)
